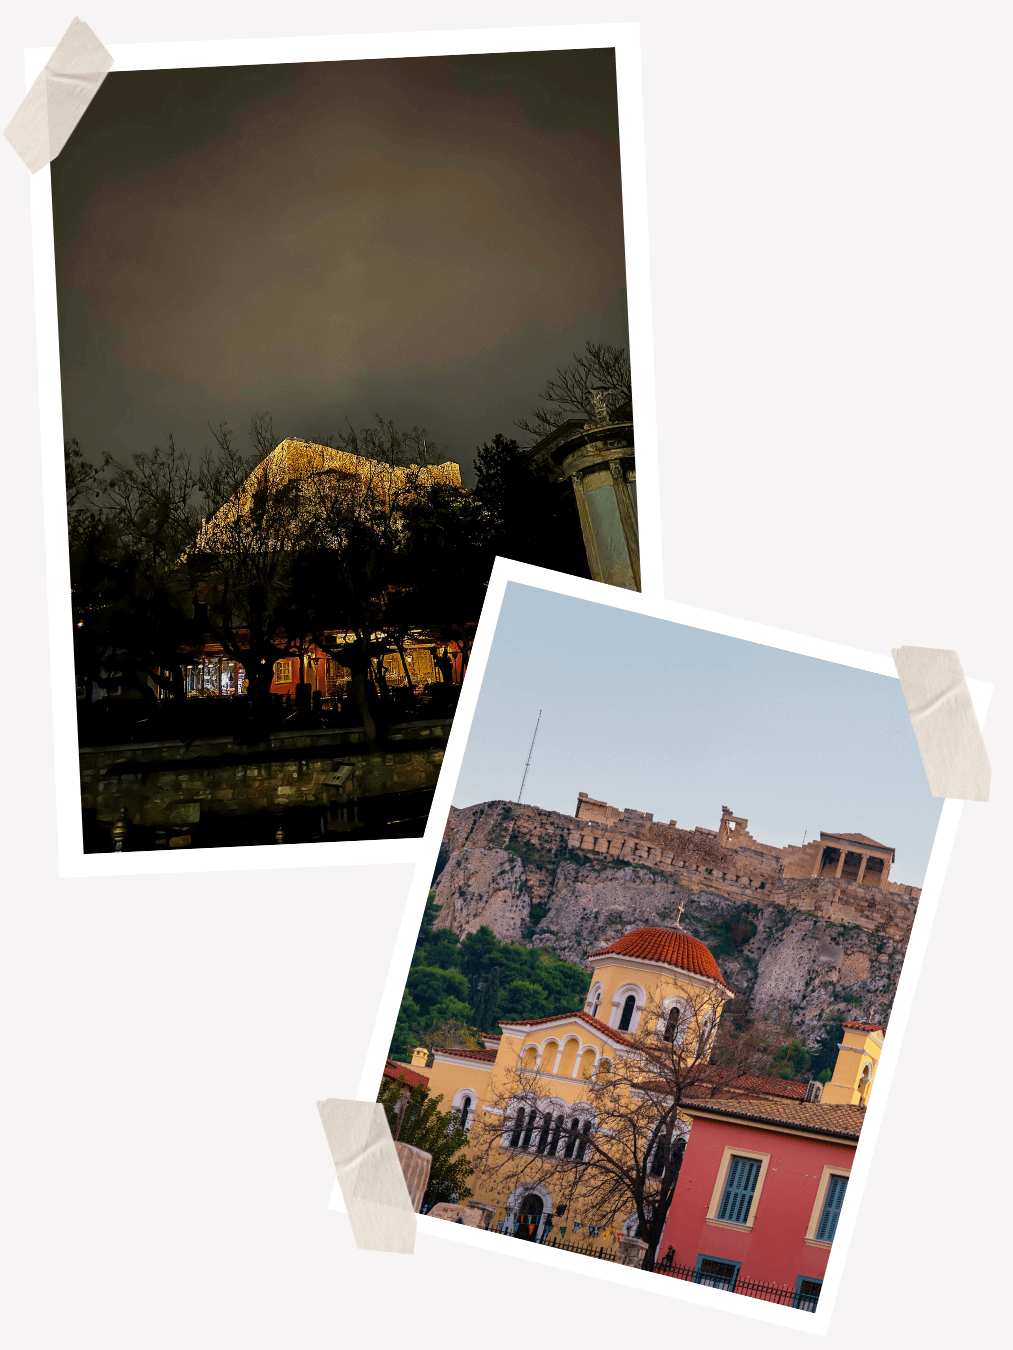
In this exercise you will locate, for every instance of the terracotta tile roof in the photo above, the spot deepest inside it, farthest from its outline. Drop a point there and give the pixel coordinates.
(839, 1119)
(410, 1077)
(465, 1052)
(751, 1085)
(864, 1026)
(754, 1084)
(602, 1028)
(669, 946)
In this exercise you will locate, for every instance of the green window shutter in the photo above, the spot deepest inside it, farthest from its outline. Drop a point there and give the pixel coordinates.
(831, 1209)
(739, 1188)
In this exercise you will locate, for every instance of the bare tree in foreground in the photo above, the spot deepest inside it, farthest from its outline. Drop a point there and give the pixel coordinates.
(598, 381)
(613, 1157)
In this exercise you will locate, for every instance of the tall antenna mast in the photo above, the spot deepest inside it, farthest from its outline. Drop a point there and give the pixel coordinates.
(528, 765)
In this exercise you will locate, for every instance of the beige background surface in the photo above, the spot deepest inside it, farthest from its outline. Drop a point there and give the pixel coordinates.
(832, 285)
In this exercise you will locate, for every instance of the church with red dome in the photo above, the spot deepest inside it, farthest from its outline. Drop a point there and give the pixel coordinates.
(532, 1087)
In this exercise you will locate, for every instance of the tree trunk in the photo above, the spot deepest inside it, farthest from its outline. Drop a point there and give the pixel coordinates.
(404, 664)
(258, 682)
(361, 691)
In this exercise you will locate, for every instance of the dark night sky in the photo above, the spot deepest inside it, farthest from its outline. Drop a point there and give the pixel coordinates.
(424, 238)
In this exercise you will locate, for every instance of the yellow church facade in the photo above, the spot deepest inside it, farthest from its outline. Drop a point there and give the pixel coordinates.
(528, 1088)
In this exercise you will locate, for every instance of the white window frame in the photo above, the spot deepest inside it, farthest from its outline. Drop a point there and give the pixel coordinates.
(618, 1002)
(476, 1103)
(674, 1001)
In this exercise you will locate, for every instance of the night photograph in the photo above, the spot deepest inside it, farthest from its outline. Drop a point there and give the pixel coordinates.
(333, 336)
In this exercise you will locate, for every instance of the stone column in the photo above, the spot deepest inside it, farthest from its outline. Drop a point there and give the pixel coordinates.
(631, 1251)
(628, 518)
(586, 530)
(861, 867)
(840, 864)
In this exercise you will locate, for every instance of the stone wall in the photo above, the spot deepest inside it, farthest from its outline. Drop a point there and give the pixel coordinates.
(168, 784)
(795, 949)
(703, 864)
(695, 859)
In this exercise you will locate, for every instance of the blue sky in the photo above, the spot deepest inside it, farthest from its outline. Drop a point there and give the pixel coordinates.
(670, 719)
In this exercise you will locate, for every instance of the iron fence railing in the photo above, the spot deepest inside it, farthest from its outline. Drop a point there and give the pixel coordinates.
(805, 1298)
(585, 1249)
(767, 1291)
(712, 1273)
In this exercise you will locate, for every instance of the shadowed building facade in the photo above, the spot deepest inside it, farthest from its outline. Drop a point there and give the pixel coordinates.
(598, 458)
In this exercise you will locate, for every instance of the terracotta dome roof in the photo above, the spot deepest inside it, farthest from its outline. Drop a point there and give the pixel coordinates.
(671, 946)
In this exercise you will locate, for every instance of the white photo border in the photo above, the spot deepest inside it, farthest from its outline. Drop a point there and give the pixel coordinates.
(625, 39)
(504, 572)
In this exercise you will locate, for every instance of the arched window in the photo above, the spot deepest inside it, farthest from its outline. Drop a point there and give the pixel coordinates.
(659, 1157)
(544, 1133)
(628, 1007)
(864, 1084)
(530, 1216)
(678, 1150)
(671, 1025)
(596, 1004)
(566, 1068)
(571, 1142)
(532, 1117)
(665, 1158)
(549, 1053)
(585, 1140)
(465, 1112)
(557, 1130)
(515, 1138)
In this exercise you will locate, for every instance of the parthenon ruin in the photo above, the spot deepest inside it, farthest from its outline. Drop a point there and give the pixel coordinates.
(843, 877)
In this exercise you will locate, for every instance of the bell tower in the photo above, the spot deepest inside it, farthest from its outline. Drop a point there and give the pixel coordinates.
(857, 1061)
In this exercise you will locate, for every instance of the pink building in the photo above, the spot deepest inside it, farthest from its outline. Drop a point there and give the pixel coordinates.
(761, 1187)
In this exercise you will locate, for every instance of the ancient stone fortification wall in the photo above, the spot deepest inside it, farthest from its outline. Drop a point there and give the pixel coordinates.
(702, 863)
(801, 949)
(696, 860)
(170, 783)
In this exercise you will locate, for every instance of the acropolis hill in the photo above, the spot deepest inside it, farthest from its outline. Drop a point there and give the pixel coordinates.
(803, 932)
(840, 877)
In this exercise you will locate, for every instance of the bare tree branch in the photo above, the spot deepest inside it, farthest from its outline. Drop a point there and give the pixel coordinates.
(612, 1157)
(600, 377)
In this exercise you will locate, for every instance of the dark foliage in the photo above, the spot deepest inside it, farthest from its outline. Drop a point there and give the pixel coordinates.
(528, 518)
(160, 564)
(415, 1118)
(824, 1057)
(791, 1060)
(479, 982)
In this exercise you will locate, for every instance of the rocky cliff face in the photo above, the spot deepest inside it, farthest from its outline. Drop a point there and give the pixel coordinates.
(510, 866)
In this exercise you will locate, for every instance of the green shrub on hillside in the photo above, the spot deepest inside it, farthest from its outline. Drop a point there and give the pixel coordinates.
(479, 981)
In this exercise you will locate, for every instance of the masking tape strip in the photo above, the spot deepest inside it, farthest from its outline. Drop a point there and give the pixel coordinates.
(949, 737)
(56, 101)
(369, 1174)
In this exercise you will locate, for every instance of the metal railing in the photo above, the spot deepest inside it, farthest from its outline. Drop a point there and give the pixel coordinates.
(584, 1248)
(731, 1283)
(767, 1291)
(537, 1228)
